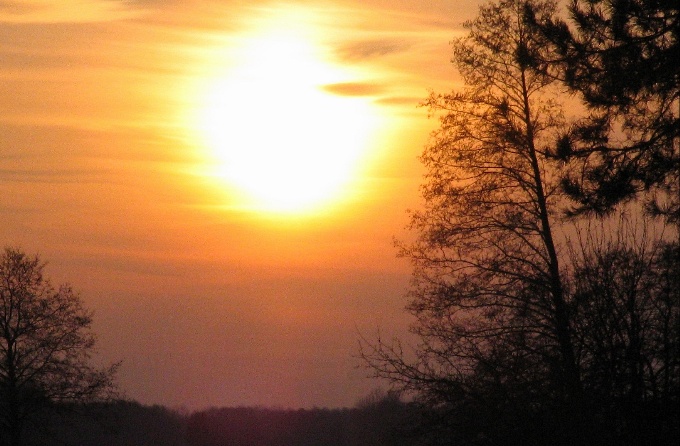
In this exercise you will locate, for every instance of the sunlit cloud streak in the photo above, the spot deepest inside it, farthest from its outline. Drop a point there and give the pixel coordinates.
(354, 89)
(64, 11)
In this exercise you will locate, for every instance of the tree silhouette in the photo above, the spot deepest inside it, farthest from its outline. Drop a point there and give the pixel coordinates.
(45, 346)
(626, 302)
(621, 56)
(487, 289)
(522, 340)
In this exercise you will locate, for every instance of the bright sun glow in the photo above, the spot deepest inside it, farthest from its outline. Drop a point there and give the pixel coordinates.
(277, 139)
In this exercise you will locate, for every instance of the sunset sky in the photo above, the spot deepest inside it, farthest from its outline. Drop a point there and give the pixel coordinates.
(222, 181)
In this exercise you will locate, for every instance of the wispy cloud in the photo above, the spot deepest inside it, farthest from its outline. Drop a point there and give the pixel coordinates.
(64, 11)
(354, 89)
(401, 101)
(369, 49)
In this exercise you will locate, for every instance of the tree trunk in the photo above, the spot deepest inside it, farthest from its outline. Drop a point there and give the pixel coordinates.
(569, 378)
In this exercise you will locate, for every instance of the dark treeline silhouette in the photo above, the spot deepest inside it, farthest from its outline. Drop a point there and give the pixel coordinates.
(113, 423)
(381, 421)
(381, 424)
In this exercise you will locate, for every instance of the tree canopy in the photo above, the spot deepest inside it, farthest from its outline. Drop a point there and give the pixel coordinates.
(45, 346)
(621, 58)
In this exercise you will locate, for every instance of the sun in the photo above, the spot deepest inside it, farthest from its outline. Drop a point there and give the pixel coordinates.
(276, 139)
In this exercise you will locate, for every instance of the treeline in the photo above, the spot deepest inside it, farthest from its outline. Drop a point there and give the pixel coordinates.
(115, 423)
(382, 424)
(384, 421)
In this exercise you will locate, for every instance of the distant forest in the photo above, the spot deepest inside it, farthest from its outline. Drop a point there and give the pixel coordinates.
(380, 420)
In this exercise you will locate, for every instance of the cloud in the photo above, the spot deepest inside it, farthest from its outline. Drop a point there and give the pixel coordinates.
(370, 49)
(400, 101)
(353, 89)
(63, 11)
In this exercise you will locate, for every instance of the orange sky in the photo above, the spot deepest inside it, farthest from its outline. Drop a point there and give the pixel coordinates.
(209, 299)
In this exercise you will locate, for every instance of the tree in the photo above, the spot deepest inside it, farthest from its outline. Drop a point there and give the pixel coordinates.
(626, 303)
(621, 57)
(45, 346)
(488, 295)
(521, 342)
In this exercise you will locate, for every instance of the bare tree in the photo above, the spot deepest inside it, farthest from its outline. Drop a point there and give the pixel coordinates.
(626, 305)
(487, 288)
(45, 346)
